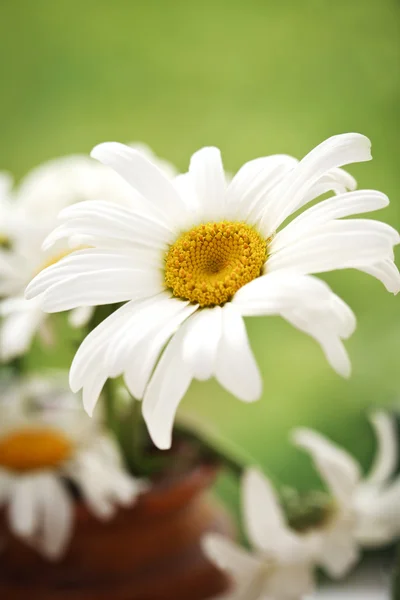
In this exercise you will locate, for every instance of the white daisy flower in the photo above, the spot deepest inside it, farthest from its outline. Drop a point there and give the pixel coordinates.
(39, 454)
(200, 254)
(282, 564)
(31, 216)
(366, 512)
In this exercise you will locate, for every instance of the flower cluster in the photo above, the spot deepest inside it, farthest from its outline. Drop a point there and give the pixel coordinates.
(162, 269)
(363, 512)
(28, 213)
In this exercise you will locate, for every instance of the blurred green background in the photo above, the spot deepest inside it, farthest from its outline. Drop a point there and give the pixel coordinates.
(254, 78)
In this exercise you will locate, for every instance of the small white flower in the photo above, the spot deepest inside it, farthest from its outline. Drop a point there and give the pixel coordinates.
(27, 215)
(199, 255)
(40, 452)
(282, 565)
(367, 510)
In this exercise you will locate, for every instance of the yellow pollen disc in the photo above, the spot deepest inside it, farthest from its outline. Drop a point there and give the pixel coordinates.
(209, 263)
(31, 449)
(4, 241)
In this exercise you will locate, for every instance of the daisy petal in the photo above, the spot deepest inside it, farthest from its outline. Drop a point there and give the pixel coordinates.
(104, 221)
(336, 245)
(263, 515)
(95, 288)
(386, 457)
(336, 466)
(87, 357)
(207, 174)
(247, 193)
(141, 361)
(18, 329)
(340, 552)
(386, 272)
(201, 342)
(321, 328)
(337, 207)
(79, 317)
(235, 365)
(92, 390)
(335, 152)
(57, 515)
(229, 556)
(166, 389)
(143, 323)
(23, 510)
(285, 293)
(144, 176)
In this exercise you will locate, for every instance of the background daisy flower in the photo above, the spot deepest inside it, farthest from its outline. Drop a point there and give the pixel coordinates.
(366, 510)
(282, 564)
(30, 212)
(41, 451)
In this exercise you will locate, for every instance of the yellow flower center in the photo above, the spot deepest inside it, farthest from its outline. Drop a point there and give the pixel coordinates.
(30, 449)
(4, 242)
(209, 263)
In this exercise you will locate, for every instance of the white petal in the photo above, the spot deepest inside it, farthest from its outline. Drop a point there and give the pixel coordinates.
(207, 174)
(336, 466)
(229, 556)
(142, 325)
(18, 329)
(95, 288)
(336, 245)
(247, 194)
(335, 152)
(235, 366)
(264, 518)
(386, 457)
(144, 176)
(91, 368)
(141, 361)
(292, 581)
(340, 551)
(92, 259)
(91, 391)
(23, 512)
(57, 516)
(344, 205)
(326, 332)
(285, 293)
(201, 342)
(93, 345)
(80, 316)
(105, 219)
(167, 387)
(386, 272)
(335, 180)
(99, 475)
(89, 477)
(308, 304)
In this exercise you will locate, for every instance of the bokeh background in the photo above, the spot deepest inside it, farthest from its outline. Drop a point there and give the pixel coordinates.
(254, 78)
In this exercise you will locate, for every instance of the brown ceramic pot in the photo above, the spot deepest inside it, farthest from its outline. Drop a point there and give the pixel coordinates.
(149, 552)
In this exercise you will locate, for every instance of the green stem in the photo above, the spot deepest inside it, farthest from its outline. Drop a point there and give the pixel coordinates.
(110, 408)
(137, 432)
(217, 447)
(396, 577)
